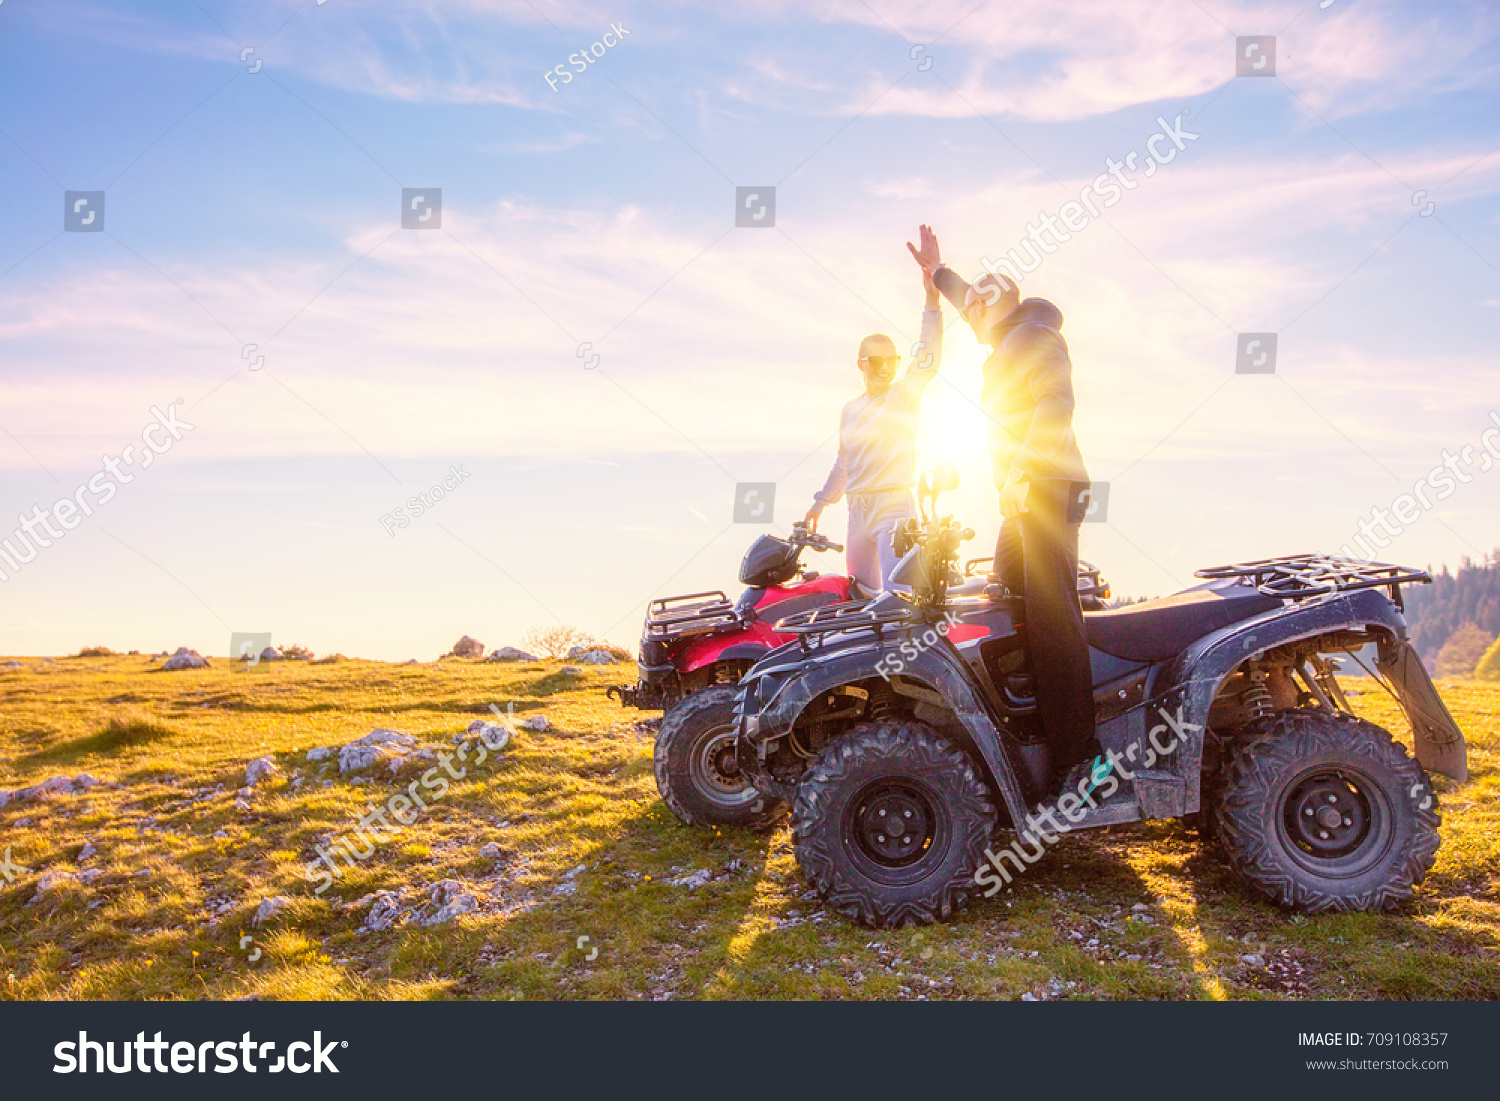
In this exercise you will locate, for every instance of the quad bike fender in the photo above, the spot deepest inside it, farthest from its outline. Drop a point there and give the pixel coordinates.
(937, 675)
(1439, 741)
(1185, 686)
(751, 644)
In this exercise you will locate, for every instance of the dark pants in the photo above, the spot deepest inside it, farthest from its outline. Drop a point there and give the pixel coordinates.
(1036, 557)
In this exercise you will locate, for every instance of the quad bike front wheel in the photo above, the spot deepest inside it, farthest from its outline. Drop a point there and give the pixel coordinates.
(890, 824)
(697, 771)
(1322, 811)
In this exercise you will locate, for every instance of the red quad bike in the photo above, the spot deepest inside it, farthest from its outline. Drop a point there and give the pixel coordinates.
(696, 647)
(904, 732)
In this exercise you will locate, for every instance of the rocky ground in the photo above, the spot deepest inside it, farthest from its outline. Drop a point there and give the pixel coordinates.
(494, 832)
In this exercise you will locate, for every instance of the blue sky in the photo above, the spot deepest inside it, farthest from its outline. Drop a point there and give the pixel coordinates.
(263, 208)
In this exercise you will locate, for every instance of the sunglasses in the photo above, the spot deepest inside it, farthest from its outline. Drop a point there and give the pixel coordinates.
(880, 363)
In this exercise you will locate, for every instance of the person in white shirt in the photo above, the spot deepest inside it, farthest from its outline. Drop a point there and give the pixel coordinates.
(877, 459)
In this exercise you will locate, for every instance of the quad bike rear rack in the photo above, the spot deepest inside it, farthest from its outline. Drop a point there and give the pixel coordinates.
(1304, 576)
(695, 613)
(848, 615)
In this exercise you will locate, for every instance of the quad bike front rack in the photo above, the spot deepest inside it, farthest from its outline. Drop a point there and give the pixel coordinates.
(1304, 576)
(849, 615)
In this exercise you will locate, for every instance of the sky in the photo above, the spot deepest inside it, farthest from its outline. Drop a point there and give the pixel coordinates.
(596, 357)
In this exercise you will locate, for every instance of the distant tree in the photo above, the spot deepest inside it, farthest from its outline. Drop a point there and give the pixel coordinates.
(1472, 595)
(554, 642)
(1489, 665)
(1461, 653)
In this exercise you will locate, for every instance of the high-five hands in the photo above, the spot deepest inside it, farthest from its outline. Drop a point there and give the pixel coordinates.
(928, 254)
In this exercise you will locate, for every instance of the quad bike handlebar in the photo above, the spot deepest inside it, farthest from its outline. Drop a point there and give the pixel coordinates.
(803, 536)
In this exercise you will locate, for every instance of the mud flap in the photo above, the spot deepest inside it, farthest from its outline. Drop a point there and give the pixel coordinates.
(1440, 744)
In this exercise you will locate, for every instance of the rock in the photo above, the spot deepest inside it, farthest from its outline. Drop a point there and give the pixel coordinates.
(692, 882)
(262, 768)
(576, 872)
(185, 659)
(453, 900)
(571, 671)
(510, 653)
(598, 657)
(385, 911)
(269, 908)
(1140, 908)
(86, 852)
(270, 653)
(319, 753)
(1253, 960)
(468, 647)
(537, 723)
(57, 785)
(378, 745)
(398, 763)
(492, 851)
(242, 805)
(12, 665)
(245, 793)
(1028, 997)
(54, 880)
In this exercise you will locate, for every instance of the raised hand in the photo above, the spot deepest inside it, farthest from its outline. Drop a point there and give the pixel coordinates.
(928, 255)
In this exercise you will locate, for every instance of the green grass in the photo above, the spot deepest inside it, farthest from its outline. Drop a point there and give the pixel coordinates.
(182, 869)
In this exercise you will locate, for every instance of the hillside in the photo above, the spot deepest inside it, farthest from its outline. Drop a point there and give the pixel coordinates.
(1472, 595)
(552, 870)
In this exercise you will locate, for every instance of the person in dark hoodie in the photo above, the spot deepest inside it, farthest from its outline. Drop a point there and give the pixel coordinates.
(1027, 398)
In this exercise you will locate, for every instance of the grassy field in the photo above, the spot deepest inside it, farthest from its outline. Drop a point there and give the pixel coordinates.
(166, 903)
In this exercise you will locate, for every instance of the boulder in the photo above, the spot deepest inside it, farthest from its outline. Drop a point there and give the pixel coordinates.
(452, 900)
(378, 745)
(571, 671)
(53, 881)
(270, 653)
(537, 723)
(86, 852)
(468, 647)
(598, 657)
(57, 785)
(319, 753)
(262, 768)
(269, 908)
(492, 851)
(185, 659)
(385, 911)
(509, 653)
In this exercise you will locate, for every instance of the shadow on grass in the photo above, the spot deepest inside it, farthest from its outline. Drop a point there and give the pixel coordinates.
(120, 733)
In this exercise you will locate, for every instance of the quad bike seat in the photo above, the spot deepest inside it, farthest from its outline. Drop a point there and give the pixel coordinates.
(1158, 629)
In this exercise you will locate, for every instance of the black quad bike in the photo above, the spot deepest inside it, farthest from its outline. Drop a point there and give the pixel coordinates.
(695, 648)
(903, 746)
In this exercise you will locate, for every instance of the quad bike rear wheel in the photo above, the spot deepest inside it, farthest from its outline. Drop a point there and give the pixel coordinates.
(697, 771)
(1325, 812)
(890, 824)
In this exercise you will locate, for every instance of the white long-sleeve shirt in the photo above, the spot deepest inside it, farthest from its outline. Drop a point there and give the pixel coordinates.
(878, 434)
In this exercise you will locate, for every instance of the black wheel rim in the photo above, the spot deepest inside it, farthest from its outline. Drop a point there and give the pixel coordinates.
(715, 769)
(896, 829)
(1336, 822)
